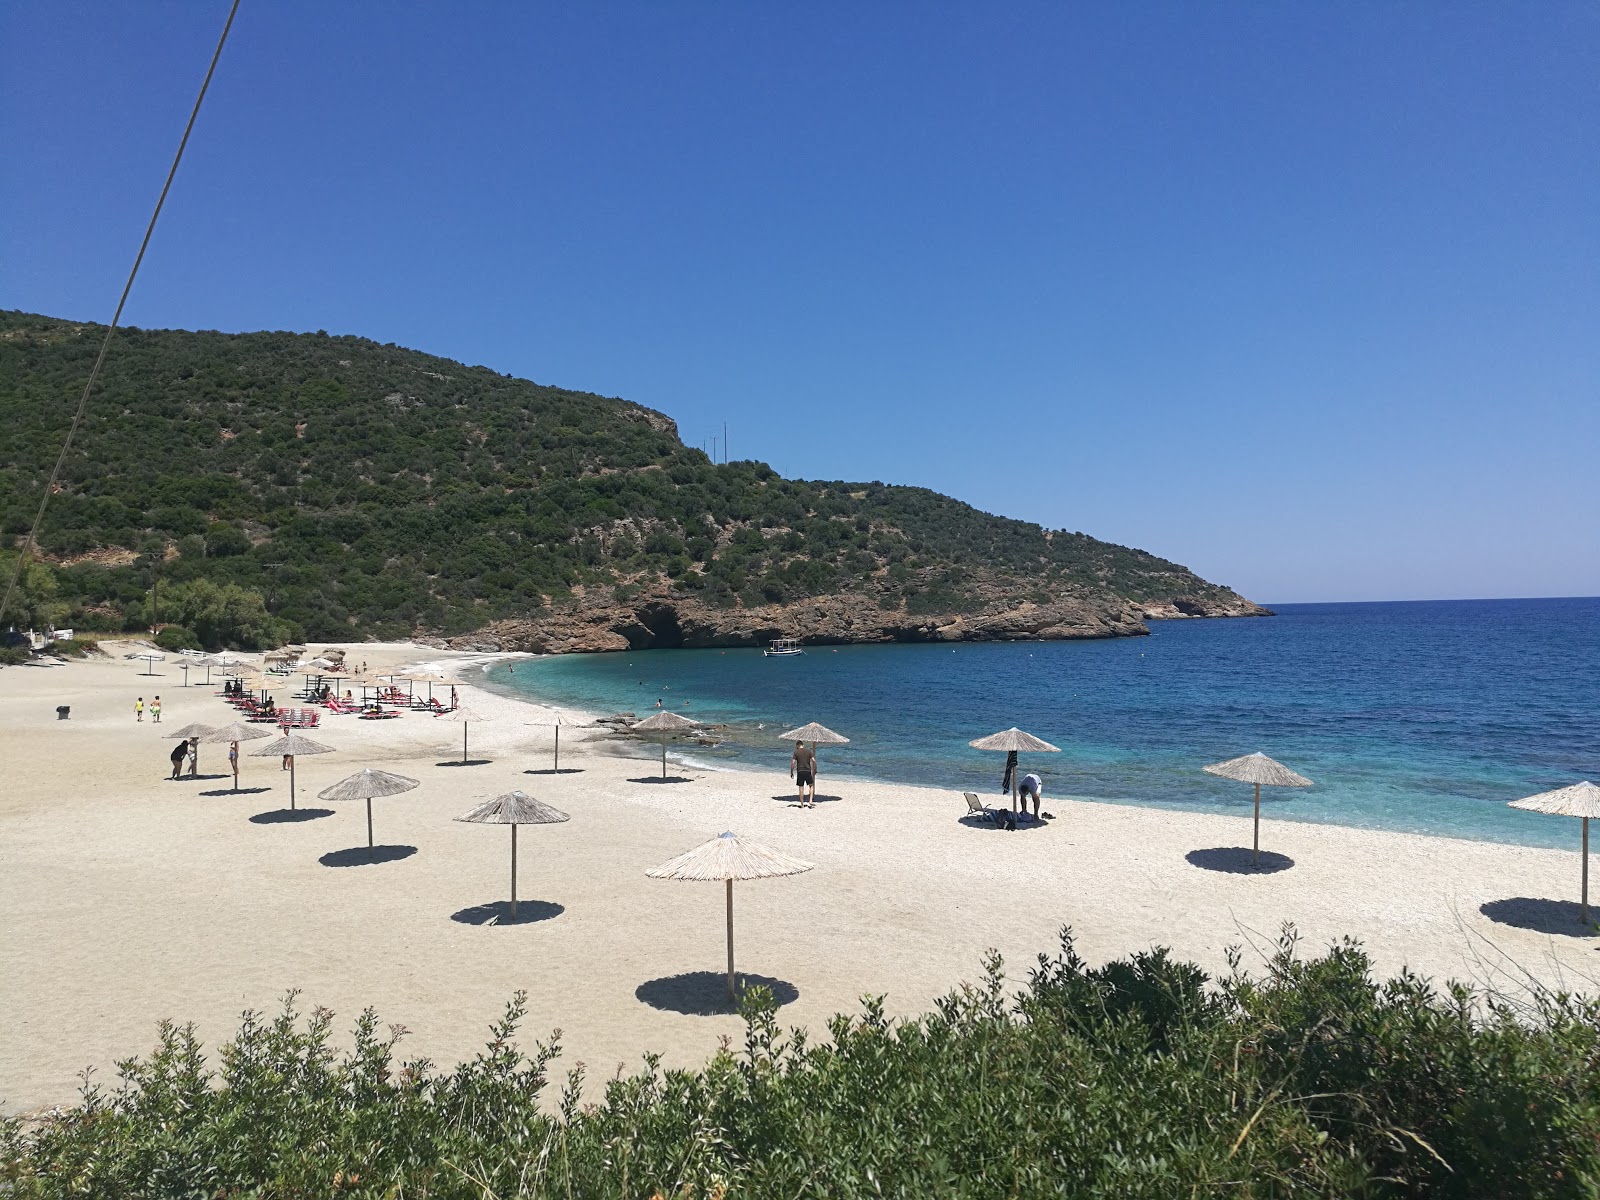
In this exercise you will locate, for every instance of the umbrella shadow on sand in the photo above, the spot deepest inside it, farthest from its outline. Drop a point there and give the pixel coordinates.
(1561, 917)
(662, 779)
(557, 771)
(289, 816)
(366, 856)
(465, 762)
(974, 821)
(498, 912)
(1236, 860)
(235, 791)
(705, 993)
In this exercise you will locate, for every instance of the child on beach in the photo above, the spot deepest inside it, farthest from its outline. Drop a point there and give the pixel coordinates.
(155, 711)
(138, 709)
(233, 763)
(194, 757)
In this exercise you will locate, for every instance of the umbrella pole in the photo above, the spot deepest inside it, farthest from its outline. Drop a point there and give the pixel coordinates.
(463, 743)
(558, 749)
(1586, 870)
(369, 822)
(513, 870)
(664, 775)
(291, 783)
(1255, 841)
(731, 996)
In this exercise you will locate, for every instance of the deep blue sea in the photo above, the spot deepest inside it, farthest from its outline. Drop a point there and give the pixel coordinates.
(1422, 716)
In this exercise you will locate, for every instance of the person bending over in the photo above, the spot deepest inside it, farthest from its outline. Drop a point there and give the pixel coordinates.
(803, 766)
(1030, 785)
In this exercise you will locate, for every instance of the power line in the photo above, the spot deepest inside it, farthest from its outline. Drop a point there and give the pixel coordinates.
(105, 344)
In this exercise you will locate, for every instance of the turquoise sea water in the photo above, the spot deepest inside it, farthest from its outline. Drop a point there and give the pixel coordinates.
(1425, 717)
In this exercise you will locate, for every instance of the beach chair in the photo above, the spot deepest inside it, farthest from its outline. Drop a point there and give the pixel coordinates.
(975, 808)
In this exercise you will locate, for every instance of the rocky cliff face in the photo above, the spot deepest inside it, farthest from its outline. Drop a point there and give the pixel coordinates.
(663, 620)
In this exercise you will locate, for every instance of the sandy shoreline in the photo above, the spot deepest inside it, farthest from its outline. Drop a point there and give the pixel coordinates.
(129, 898)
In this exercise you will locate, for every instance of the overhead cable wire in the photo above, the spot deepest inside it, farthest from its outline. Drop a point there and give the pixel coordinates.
(105, 343)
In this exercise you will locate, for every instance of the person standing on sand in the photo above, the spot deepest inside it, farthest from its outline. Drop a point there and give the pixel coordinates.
(179, 753)
(138, 709)
(155, 711)
(194, 757)
(233, 763)
(803, 766)
(453, 700)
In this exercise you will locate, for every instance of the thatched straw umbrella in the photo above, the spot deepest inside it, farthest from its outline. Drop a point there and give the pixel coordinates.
(727, 857)
(513, 809)
(666, 724)
(1578, 800)
(364, 785)
(233, 733)
(150, 658)
(1258, 769)
(817, 735)
(193, 730)
(294, 745)
(466, 716)
(428, 677)
(1014, 740)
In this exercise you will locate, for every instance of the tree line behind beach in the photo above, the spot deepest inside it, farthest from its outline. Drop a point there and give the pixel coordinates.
(324, 487)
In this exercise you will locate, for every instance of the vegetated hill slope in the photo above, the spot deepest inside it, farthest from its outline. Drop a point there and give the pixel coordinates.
(369, 490)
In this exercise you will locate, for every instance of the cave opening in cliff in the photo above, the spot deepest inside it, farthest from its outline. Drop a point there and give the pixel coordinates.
(660, 627)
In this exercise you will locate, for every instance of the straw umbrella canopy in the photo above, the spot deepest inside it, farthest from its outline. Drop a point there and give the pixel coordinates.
(513, 809)
(1014, 741)
(817, 735)
(666, 724)
(235, 732)
(1258, 769)
(466, 716)
(1578, 800)
(365, 785)
(727, 857)
(428, 677)
(294, 745)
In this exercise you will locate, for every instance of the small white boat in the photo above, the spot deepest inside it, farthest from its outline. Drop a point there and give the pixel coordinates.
(782, 647)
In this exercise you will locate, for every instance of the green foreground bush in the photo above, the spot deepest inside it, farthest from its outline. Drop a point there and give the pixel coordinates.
(1142, 1078)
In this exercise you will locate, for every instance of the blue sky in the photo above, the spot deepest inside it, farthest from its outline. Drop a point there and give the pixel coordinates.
(1304, 296)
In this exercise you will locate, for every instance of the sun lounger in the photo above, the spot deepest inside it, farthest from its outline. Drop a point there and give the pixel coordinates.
(975, 808)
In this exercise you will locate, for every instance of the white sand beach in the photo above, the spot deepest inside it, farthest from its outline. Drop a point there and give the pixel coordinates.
(129, 898)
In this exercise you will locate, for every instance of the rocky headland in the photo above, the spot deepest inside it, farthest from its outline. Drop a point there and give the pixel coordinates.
(665, 620)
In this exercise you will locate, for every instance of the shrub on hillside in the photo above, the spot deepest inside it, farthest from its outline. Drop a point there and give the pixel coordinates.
(1142, 1078)
(176, 637)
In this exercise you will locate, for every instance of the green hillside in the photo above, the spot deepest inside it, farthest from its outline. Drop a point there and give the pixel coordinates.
(361, 489)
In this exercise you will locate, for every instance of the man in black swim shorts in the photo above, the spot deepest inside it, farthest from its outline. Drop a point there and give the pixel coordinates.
(803, 766)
